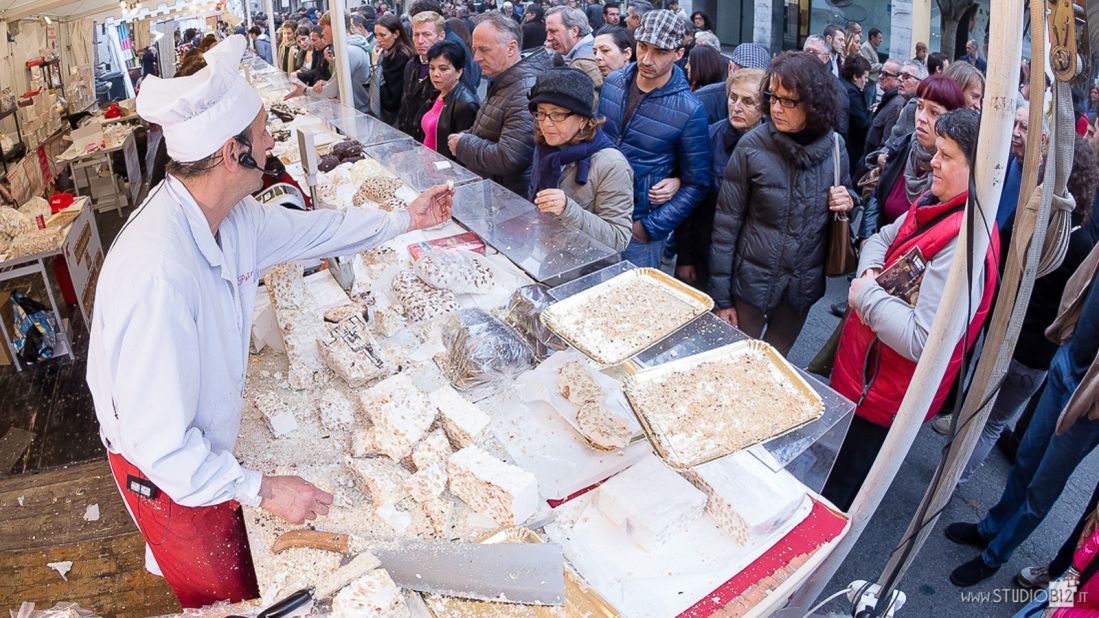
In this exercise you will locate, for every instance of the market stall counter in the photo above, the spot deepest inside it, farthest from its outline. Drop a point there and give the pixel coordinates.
(444, 392)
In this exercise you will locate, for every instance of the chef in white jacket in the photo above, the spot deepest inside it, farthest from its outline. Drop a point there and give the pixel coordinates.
(170, 332)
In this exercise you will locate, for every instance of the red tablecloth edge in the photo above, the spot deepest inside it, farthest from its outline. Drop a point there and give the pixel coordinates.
(820, 526)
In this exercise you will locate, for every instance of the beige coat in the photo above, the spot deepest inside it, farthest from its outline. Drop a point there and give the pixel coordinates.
(1085, 399)
(603, 207)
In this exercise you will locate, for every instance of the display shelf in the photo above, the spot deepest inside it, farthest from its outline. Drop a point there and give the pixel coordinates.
(548, 249)
(419, 166)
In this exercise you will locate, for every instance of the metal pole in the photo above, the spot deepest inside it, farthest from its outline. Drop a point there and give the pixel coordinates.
(996, 124)
(339, 49)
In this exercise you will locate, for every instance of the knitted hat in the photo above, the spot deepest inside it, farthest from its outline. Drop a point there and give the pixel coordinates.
(751, 56)
(662, 29)
(566, 87)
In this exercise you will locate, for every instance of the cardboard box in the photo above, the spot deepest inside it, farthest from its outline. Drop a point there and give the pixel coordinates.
(89, 134)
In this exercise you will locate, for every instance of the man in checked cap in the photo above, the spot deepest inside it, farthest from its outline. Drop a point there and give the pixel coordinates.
(661, 128)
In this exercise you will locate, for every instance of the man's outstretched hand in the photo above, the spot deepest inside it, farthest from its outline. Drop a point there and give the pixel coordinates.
(431, 207)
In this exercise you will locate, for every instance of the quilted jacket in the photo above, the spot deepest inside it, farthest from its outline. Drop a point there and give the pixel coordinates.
(666, 137)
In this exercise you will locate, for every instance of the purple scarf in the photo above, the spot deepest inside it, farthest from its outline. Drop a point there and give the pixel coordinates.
(548, 160)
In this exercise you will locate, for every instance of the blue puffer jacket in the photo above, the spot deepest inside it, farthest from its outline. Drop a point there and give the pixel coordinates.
(666, 137)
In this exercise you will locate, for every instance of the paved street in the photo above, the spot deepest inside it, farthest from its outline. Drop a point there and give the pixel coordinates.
(927, 586)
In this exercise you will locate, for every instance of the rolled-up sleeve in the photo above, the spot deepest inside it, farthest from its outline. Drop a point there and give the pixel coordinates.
(157, 399)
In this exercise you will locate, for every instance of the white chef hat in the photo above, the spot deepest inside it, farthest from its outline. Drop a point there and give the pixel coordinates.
(200, 112)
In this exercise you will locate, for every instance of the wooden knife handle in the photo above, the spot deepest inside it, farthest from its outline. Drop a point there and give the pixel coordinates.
(313, 539)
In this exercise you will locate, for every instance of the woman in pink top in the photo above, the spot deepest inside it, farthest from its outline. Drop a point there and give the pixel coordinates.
(455, 107)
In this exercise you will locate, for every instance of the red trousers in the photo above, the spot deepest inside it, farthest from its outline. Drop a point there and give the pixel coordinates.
(202, 551)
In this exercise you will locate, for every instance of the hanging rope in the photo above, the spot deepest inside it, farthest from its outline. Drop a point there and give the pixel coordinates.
(1028, 249)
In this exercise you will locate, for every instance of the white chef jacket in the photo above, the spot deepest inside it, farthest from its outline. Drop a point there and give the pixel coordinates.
(170, 330)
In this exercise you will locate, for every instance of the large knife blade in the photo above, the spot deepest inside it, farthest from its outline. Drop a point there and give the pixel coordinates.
(515, 573)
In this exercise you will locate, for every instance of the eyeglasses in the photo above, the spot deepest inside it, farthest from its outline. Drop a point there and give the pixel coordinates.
(786, 102)
(747, 102)
(907, 76)
(888, 74)
(555, 117)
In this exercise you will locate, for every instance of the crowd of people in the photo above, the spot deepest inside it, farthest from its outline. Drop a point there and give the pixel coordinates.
(733, 167)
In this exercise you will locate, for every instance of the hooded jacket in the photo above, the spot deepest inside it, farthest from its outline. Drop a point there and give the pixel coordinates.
(666, 137)
(263, 47)
(500, 145)
(358, 56)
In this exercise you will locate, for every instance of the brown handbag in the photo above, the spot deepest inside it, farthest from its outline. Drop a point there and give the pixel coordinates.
(841, 258)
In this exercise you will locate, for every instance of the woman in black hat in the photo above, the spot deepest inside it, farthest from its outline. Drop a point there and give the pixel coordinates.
(578, 174)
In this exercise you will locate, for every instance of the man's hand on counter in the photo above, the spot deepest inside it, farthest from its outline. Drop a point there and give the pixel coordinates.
(452, 141)
(293, 498)
(431, 207)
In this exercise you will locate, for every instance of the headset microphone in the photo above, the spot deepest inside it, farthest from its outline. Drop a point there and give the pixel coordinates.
(246, 160)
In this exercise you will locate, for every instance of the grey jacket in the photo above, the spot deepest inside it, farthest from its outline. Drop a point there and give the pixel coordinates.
(603, 207)
(769, 234)
(500, 145)
(896, 323)
(358, 55)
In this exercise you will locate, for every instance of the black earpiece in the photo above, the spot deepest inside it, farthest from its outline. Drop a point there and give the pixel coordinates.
(248, 161)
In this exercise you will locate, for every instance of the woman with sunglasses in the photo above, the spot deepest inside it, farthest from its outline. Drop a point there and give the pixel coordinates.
(578, 175)
(907, 172)
(775, 204)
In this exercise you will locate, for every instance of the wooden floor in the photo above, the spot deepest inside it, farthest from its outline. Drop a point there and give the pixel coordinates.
(52, 460)
(107, 555)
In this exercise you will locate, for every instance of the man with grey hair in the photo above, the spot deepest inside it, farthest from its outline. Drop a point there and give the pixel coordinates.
(634, 10)
(706, 37)
(911, 76)
(500, 144)
(885, 116)
(817, 45)
(568, 33)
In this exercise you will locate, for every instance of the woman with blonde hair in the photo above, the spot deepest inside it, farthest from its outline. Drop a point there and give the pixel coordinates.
(745, 105)
(578, 175)
(970, 80)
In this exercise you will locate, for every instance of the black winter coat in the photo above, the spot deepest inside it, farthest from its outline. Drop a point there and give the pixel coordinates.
(417, 95)
(500, 144)
(858, 125)
(769, 237)
(392, 86)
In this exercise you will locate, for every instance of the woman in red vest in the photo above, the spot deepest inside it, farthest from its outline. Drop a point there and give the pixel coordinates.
(884, 333)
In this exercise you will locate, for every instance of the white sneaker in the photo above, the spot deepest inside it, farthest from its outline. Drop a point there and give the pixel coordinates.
(941, 425)
(1033, 578)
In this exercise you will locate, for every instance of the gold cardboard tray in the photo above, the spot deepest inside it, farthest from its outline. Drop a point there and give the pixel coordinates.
(554, 315)
(658, 432)
(581, 601)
